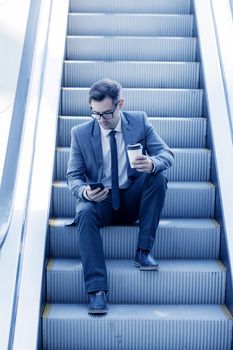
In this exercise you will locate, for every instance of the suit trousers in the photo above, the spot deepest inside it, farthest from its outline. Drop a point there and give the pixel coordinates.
(143, 200)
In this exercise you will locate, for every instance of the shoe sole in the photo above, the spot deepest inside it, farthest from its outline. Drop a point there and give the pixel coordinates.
(98, 312)
(146, 268)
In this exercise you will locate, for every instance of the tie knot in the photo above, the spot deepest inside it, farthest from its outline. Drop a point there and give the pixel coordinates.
(112, 133)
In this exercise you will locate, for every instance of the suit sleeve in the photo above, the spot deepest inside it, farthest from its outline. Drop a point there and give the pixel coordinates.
(157, 149)
(76, 171)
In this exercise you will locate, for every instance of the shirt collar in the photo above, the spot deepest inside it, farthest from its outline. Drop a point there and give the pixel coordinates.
(118, 128)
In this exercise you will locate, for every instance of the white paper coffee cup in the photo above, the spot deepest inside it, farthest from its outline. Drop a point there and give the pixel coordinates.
(134, 151)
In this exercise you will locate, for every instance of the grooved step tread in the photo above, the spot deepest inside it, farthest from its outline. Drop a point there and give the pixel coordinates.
(138, 327)
(157, 102)
(186, 132)
(175, 239)
(138, 48)
(191, 164)
(145, 312)
(86, 89)
(72, 265)
(116, 14)
(183, 200)
(131, 6)
(187, 281)
(149, 74)
(133, 38)
(86, 118)
(172, 185)
(130, 24)
(175, 150)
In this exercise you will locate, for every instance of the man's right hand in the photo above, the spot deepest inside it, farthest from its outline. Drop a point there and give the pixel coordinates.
(96, 195)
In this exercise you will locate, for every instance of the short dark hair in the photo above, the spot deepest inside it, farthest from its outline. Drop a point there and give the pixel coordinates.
(105, 88)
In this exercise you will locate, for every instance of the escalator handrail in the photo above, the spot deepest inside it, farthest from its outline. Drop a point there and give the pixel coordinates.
(9, 175)
(219, 121)
(227, 73)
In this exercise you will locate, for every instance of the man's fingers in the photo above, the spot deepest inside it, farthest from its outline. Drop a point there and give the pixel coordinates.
(101, 198)
(142, 169)
(92, 192)
(140, 165)
(100, 195)
(142, 157)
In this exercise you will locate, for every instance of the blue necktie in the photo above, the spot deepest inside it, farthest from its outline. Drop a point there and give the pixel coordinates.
(114, 172)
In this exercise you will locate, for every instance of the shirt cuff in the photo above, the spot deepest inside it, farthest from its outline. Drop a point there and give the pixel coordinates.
(153, 169)
(84, 194)
(154, 166)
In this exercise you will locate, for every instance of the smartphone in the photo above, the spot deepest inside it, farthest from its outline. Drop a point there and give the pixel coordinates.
(93, 186)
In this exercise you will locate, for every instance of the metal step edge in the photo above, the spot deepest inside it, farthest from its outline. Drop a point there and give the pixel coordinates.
(190, 164)
(183, 200)
(162, 6)
(175, 282)
(156, 102)
(136, 327)
(130, 24)
(133, 38)
(186, 132)
(175, 239)
(165, 266)
(149, 75)
(117, 48)
(164, 223)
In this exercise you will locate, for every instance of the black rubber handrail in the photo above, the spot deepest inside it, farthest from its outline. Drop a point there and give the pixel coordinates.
(9, 175)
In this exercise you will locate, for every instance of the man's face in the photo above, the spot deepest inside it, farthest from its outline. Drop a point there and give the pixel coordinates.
(107, 106)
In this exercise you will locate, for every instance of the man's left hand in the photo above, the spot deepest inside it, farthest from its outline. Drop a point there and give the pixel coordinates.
(143, 164)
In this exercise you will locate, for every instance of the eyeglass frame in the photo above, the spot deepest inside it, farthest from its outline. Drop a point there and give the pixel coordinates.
(98, 115)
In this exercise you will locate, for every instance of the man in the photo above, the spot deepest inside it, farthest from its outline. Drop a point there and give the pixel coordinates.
(98, 155)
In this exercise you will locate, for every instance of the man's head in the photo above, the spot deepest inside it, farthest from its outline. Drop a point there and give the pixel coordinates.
(106, 102)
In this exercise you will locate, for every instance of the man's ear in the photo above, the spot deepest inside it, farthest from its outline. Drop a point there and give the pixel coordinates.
(121, 103)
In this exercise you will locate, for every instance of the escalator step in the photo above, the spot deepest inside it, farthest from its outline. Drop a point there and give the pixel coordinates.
(186, 132)
(179, 282)
(183, 200)
(149, 74)
(137, 327)
(125, 48)
(131, 6)
(175, 239)
(130, 24)
(155, 102)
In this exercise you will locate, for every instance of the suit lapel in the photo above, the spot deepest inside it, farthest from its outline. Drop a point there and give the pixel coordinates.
(97, 148)
(127, 130)
(128, 134)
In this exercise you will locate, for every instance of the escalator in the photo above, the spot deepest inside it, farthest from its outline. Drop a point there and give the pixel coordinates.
(152, 49)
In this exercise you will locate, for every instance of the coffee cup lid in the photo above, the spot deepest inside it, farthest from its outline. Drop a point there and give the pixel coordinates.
(134, 146)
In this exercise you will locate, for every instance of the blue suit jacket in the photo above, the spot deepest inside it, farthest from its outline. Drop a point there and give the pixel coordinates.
(86, 160)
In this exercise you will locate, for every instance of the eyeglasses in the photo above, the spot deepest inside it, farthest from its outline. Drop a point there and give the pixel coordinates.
(105, 115)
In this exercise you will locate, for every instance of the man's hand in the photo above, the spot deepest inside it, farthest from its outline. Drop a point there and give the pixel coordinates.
(143, 164)
(96, 195)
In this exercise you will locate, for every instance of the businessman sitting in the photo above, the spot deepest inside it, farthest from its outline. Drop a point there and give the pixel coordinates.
(125, 194)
